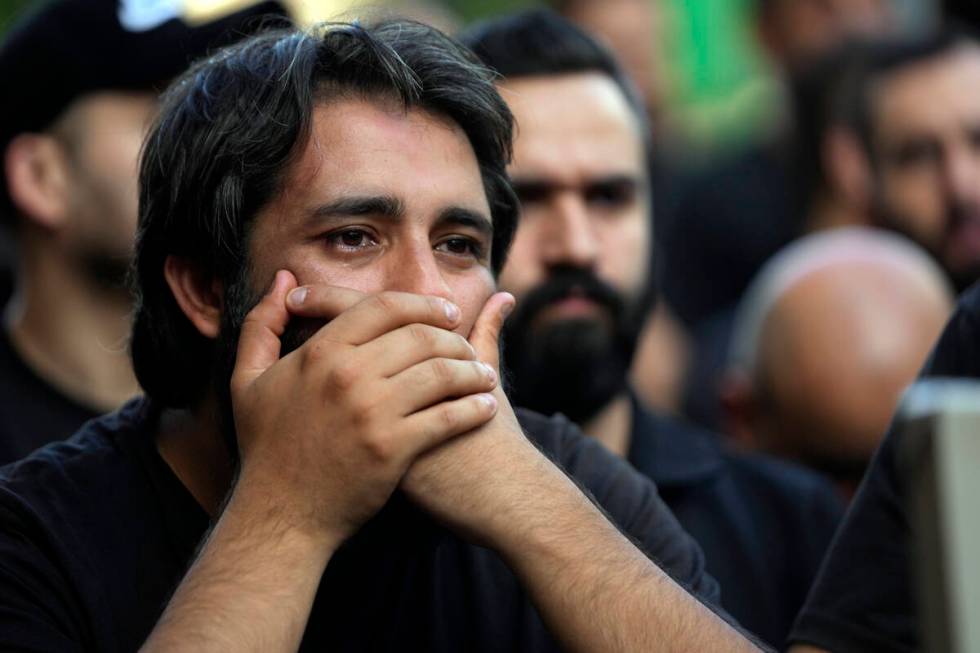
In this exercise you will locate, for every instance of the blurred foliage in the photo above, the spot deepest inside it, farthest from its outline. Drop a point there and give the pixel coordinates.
(9, 9)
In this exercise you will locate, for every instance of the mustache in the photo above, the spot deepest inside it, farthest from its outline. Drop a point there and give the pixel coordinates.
(568, 282)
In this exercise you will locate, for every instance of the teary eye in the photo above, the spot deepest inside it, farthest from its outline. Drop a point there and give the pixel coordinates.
(350, 239)
(461, 246)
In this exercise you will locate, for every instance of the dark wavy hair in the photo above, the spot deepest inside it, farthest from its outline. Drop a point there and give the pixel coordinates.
(227, 131)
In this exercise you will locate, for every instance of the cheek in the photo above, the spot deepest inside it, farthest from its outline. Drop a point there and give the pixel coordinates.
(916, 198)
(470, 295)
(625, 247)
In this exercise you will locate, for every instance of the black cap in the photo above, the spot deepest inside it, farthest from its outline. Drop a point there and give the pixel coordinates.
(67, 48)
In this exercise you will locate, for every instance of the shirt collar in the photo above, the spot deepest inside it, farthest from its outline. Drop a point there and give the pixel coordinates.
(671, 452)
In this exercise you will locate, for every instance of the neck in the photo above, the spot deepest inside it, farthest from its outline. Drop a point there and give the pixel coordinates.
(190, 442)
(71, 332)
(612, 425)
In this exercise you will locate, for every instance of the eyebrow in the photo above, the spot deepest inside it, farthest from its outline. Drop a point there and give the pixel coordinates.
(464, 217)
(390, 207)
(377, 205)
(543, 184)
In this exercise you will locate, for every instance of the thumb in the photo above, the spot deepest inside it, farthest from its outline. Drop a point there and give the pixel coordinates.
(485, 335)
(258, 344)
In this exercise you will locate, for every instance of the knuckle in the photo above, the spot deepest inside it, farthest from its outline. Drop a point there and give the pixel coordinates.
(380, 448)
(421, 335)
(451, 419)
(387, 301)
(343, 375)
(441, 370)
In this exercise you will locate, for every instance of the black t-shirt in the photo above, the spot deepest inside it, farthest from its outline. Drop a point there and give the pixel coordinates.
(863, 599)
(763, 524)
(32, 412)
(97, 531)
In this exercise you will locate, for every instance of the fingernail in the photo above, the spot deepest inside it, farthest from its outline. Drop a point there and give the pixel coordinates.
(452, 311)
(507, 309)
(489, 400)
(491, 373)
(297, 296)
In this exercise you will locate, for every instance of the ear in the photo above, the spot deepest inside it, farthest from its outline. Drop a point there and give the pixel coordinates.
(37, 178)
(739, 409)
(199, 295)
(848, 169)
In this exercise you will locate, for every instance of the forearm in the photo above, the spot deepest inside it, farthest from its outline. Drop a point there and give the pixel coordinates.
(593, 587)
(251, 587)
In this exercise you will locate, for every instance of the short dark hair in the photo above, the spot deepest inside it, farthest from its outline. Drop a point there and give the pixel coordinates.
(887, 56)
(227, 132)
(539, 42)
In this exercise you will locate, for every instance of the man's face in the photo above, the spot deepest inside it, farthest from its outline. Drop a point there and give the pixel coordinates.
(579, 262)
(101, 135)
(926, 150)
(380, 199)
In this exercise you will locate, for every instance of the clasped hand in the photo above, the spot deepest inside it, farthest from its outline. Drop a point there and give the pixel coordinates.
(384, 394)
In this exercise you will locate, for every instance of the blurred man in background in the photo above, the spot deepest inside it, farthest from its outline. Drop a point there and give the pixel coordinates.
(86, 74)
(735, 214)
(827, 338)
(864, 598)
(917, 116)
(580, 270)
(631, 29)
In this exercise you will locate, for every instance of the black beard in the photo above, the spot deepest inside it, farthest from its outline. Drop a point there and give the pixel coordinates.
(960, 278)
(573, 366)
(240, 298)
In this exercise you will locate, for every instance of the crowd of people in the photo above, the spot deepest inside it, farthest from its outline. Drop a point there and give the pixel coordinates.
(366, 336)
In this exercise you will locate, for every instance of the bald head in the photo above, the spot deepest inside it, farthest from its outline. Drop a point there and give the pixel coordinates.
(831, 333)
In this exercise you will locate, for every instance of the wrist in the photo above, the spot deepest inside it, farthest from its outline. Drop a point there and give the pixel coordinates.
(530, 503)
(259, 507)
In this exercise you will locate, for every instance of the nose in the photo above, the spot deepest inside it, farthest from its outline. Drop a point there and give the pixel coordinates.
(415, 270)
(569, 237)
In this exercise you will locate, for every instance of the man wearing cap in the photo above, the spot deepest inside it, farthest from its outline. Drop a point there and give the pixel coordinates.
(86, 74)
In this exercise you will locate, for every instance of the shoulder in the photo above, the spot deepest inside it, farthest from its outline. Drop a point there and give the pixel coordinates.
(64, 511)
(87, 458)
(607, 476)
(629, 499)
(66, 491)
(783, 479)
(957, 353)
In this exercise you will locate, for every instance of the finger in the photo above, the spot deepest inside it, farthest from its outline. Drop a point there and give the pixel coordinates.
(378, 314)
(398, 350)
(258, 344)
(485, 335)
(433, 426)
(438, 379)
(322, 301)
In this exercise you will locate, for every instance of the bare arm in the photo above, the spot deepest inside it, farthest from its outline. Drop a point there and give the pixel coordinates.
(595, 590)
(251, 587)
